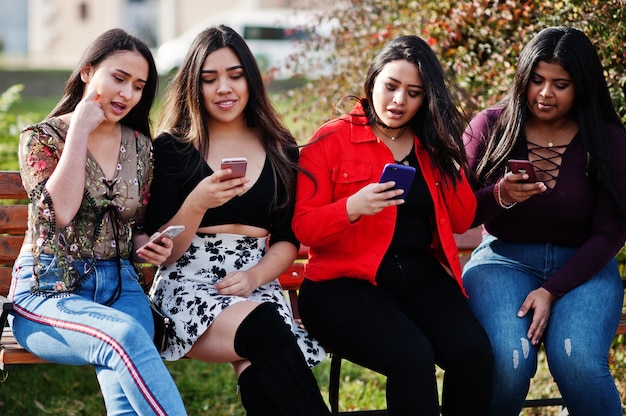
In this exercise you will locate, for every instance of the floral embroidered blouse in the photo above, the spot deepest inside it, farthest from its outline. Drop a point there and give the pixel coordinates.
(102, 227)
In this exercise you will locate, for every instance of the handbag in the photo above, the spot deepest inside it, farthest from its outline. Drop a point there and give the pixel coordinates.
(162, 327)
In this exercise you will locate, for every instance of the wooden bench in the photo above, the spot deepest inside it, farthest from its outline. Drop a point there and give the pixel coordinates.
(13, 220)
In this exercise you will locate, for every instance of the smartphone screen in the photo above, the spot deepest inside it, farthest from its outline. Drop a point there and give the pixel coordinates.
(238, 166)
(402, 175)
(523, 166)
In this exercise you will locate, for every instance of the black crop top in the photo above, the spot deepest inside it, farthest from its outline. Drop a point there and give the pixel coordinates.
(178, 168)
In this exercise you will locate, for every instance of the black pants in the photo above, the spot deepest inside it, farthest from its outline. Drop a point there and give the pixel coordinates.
(415, 318)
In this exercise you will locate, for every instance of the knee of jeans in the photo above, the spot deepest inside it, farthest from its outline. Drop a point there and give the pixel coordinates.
(128, 334)
(517, 357)
(568, 362)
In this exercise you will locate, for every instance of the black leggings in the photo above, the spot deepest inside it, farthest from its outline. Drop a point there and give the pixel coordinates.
(415, 318)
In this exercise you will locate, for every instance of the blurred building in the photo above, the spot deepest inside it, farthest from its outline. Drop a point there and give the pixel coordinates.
(53, 33)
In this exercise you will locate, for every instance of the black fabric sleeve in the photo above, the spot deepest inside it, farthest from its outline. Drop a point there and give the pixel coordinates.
(282, 229)
(171, 183)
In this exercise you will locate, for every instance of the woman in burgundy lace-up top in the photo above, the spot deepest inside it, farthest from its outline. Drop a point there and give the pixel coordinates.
(545, 270)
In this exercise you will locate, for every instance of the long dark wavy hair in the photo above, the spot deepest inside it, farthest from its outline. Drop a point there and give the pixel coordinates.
(110, 42)
(439, 123)
(184, 115)
(593, 108)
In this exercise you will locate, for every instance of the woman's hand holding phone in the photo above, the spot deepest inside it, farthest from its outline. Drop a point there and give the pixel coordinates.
(402, 175)
(170, 232)
(369, 200)
(231, 179)
(158, 249)
(237, 165)
(391, 190)
(523, 167)
(519, 189)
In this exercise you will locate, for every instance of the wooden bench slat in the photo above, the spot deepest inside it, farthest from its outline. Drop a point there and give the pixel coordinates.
(621, 328)
(13, 353)
(469, 240)
(293, 277)
(5, 279)
(13, 219)
(11, 185)
(10, 248)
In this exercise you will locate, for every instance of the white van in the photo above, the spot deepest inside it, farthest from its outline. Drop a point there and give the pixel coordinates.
(272, 35)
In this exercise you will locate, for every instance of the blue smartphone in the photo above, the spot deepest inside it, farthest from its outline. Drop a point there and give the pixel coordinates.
(402, 175)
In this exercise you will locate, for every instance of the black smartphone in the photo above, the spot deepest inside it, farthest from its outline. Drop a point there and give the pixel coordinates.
(238, 166)
(523, 166)
(402, 175)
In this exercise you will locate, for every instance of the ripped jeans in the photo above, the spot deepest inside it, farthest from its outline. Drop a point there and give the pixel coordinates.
(577, 339)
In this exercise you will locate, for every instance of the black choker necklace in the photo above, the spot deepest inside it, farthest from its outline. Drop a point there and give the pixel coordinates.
(393, 137)
(380, 123)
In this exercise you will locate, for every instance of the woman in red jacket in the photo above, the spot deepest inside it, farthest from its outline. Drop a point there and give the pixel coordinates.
(383, 282)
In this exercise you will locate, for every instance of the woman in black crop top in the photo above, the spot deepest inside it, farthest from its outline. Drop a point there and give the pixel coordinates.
(220, 284)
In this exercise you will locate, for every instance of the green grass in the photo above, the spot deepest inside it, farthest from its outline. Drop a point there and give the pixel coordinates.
(209, 389)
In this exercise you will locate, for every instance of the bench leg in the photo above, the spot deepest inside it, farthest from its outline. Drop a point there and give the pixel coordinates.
(333, 384)
(558, 401)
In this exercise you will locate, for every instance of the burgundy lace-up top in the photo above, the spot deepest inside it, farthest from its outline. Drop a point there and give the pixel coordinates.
(574, 212)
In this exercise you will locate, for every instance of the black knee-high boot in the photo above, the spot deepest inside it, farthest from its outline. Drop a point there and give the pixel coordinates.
(267, 341)
(254, 397)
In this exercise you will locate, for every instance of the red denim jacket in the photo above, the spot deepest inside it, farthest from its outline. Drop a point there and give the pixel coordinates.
(346, 157)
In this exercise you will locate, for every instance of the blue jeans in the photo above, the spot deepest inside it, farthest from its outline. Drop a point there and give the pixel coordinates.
(77, 329)
(580, 330)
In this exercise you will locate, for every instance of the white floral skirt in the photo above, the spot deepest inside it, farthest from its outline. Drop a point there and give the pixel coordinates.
(185, 291)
